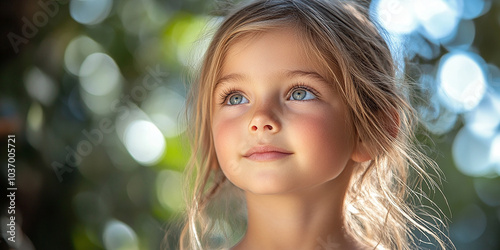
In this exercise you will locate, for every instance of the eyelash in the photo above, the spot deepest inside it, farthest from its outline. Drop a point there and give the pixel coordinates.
(225, 94)
(302, 86)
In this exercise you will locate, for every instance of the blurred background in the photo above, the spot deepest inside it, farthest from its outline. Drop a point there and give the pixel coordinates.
(93, 92)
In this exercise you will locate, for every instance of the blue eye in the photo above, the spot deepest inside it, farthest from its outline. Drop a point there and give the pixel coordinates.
(301, 95)
(236, 99)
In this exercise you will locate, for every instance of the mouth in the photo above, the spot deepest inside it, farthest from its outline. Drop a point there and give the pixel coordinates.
(266, 153)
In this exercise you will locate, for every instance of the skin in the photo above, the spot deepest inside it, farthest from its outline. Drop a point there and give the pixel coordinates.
(294, 196)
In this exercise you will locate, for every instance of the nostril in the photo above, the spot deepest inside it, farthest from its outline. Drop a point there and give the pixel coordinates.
(255, 128)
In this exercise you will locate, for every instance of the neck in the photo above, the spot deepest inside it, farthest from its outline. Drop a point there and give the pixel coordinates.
(304, 219)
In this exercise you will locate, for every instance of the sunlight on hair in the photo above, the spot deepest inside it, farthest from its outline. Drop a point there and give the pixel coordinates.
(90, 11)
(144, 141)
(119, 236)
(462, 81)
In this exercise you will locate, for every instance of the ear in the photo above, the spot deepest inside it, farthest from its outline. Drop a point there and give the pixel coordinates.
(360, 153)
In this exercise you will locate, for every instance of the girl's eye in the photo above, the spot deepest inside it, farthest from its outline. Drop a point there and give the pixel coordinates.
(301, 95)
(236, 99)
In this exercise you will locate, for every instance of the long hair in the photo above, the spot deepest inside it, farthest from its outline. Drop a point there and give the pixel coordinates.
(382, 200)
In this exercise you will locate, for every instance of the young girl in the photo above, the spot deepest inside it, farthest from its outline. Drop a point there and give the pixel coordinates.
(302, 135)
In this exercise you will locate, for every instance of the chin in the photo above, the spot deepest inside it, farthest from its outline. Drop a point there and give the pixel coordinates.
(266, 188)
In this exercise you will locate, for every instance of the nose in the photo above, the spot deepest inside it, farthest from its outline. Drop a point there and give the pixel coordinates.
(264, 120)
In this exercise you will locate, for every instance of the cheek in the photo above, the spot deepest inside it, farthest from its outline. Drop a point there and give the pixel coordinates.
(226, 133)
(228, 138)
(324, 139)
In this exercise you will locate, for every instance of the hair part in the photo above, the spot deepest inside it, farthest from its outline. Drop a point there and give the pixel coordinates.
(356, 59)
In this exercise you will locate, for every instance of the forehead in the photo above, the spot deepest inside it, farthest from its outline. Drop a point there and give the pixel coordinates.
(284, 49)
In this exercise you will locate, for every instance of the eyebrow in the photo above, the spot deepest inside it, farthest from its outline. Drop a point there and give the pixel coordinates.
(309, 74)
(234, 77)
(287, 74)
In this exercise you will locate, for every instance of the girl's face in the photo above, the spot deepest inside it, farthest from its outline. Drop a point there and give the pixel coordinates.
(278, 125)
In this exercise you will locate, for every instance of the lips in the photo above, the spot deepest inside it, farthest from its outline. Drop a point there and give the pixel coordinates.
(266, 153)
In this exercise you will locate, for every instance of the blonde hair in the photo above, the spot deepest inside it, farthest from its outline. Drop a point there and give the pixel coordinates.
(381, 208)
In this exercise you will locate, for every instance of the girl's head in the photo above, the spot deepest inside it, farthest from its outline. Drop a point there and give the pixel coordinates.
(324, 92)
(343, 44)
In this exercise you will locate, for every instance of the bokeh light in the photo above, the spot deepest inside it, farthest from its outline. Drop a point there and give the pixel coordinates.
(485, 118)
(184, 35)
(125, 63)
(421, 47)
(395, 16)
(474, 8)
(435, 117)
(144, 141)
(470, 224)
(119, 236)
(168, 190)
(99, 74)
(35, 119)
(462, 81)
(77, 51)
(463, 38)
(169, 120)
(90, 11)
(438, 18)
(488, 190)
(495, 153)
(471, 153)
(461, 93)
(100, 81)
(40, 86)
